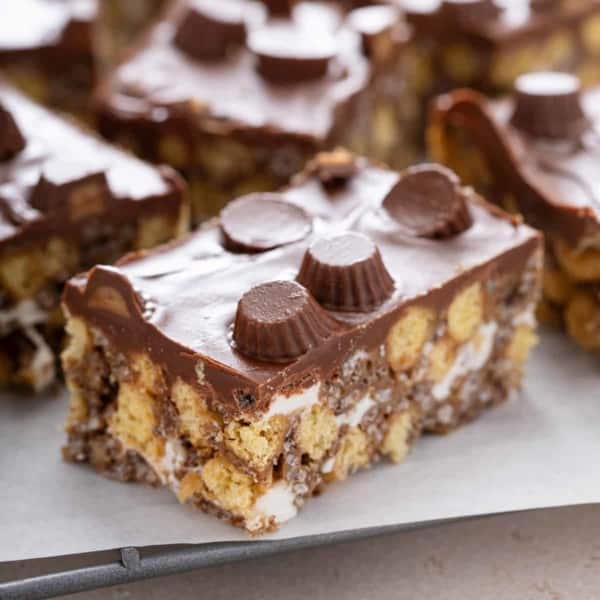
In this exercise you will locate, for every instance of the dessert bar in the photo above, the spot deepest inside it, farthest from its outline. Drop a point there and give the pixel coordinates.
(303, 335)
(239, 94)
(486, 44)
(47, 49)
(67, 202)
(536, 153)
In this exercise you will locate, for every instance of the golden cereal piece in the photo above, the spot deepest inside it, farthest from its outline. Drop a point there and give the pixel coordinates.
(588, 72)
(196, 421)
(582, 318)
(507, 66)
(109, 299)
(396, 443)
(466, 313)
(173, 150)
(352, 454)
(133, 422)
(206, 199)
(258, 444)
(22, 274)
(460, 62)
(556, 285)
(260, 182)
(316, 432)
(190, 486)
(580, 265)
(386, 131)
(441, 358)
(79, 341)
(154, 230)
(590, 34)
(227, 487)
(61, 258)
(406, 338)
(148, 374)
(86, 200)
(225, 160)
(521, 343)
(558, 50)
(78, 408)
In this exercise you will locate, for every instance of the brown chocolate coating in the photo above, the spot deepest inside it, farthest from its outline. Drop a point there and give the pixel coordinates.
(11, 139)
(346, 272)
(195, 287)
(279, 321)
(66, 178)
(427, 201)
(209, 29)
(279, 8)
(262, 221)
(288, 53)
(555, 182)
(547, 105)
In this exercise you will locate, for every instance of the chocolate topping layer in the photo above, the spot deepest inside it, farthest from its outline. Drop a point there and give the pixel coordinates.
(469, 12)
(262, 221)
(280, 8)
(279, 321)
(547, 104)
(65, 176)
(209, 29)
(557, 182)
(346, 272)
(314, 46)
(194, 287)
(11, 139)
(29, 25)
(427, 201)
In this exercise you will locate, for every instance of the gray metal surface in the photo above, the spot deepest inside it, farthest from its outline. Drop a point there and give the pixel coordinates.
(136, 564)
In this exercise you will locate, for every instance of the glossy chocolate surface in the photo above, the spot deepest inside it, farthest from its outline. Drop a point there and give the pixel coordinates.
(179, 303)
(31, 25)
(35, 184)
(272, 82)
(556, 180)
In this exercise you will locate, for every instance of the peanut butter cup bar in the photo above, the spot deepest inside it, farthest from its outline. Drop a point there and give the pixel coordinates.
(306, 334)
(239, 94)
(67, 201)
(536, 153)
(486, 44)
(47, 49)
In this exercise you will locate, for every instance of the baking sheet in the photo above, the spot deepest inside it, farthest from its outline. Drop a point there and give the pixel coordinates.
(541, 449)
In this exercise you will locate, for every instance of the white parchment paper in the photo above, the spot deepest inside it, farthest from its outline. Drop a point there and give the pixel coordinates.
(539, 450)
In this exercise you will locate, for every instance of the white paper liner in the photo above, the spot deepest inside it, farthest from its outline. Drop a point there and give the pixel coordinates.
(539, 450)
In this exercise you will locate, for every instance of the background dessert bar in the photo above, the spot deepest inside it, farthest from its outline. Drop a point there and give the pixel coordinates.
(67, 202)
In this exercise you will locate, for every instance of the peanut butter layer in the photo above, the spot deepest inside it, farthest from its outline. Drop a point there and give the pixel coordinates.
(179, 303)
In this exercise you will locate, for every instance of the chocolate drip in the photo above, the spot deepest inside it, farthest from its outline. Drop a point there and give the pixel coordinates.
(11, 140)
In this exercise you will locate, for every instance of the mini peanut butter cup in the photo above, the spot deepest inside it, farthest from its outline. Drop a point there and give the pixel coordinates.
(279, 321)
(279, 8)
(262, 221)
(209, 29)
(289, 53)
(548, 105)
(469, 11)
(11, 139)
(427, 201)
(346, 273)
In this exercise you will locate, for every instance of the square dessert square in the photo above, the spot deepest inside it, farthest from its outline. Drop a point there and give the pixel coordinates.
(536, 153)
(47, 49)
(239, 94)
(67, 201)
(487, 44)
(303, 335)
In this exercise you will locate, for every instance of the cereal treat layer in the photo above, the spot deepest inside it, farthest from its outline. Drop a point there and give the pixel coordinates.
(67, 202)
(239, 94)
(536, 154)
(305, 335)
(487, 44)
(47, 49)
